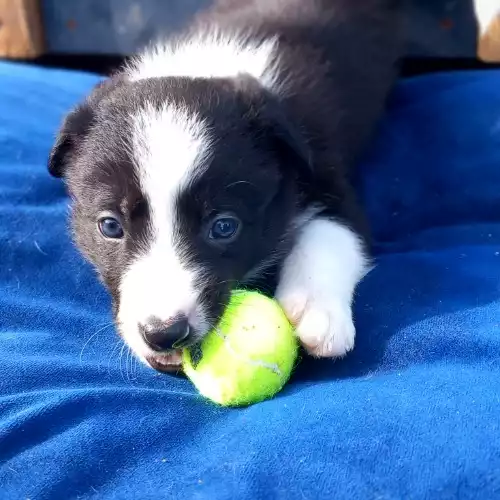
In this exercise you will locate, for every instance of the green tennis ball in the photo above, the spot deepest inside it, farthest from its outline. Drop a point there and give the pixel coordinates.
(249, 356)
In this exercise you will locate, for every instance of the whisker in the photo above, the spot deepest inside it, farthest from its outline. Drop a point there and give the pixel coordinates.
(134, 366)
(120, 361)
(127, 356)
(130, 373)
(223, 282)
(117, 345)
(240, 182)
(109, 325)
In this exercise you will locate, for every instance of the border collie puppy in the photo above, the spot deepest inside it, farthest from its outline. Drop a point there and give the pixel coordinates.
(221, 158)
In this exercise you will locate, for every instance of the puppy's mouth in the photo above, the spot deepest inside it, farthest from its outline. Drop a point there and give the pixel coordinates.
(170, 362)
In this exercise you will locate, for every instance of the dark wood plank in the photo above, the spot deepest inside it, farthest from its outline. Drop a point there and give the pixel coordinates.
(21, 33)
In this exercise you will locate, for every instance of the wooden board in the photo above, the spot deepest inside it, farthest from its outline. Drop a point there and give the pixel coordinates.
(21, 33)
(488, 18)
(489, 42)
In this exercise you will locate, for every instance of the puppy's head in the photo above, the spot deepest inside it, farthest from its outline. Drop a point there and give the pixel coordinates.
(182, 190)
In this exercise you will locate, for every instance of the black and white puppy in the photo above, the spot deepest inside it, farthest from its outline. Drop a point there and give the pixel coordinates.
(223, 156)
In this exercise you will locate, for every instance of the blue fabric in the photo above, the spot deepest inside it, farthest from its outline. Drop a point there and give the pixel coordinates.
(413, 413)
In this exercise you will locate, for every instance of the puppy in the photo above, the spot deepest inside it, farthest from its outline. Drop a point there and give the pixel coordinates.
(221, 158)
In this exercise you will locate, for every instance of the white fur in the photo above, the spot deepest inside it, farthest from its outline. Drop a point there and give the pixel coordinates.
(208, 55)
(317, 284)
(170, 148)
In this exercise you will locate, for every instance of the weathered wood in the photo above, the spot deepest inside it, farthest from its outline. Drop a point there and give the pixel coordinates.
(21, 33)
(488, 24)
(489, 42)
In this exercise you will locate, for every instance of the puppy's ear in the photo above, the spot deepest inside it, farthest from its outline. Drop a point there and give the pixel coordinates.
(270, 121)
(76, 126)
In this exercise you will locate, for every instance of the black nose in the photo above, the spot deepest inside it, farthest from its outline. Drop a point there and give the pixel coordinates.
(161, 336)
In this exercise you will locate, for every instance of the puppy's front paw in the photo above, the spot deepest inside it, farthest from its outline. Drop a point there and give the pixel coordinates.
(324, 326)
(317, 284)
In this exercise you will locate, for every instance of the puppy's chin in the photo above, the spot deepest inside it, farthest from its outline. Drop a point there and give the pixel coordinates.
(166, 362)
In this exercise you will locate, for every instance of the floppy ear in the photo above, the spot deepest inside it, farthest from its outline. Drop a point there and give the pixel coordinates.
(74, 128)
(285, 135)
(270, 121)
(76, 125)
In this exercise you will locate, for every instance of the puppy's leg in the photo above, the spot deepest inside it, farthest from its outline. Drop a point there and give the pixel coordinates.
(317, 283)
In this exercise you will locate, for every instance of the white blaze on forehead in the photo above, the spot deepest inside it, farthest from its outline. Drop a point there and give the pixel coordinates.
(208, 55)
(170, 147)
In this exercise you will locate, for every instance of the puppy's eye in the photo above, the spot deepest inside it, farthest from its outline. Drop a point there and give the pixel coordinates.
(110, 228)
(224, 228)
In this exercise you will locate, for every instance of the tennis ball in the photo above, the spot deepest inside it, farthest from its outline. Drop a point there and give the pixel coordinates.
(248, 357)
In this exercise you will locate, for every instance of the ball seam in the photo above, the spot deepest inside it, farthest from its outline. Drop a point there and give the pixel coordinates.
(257, 362)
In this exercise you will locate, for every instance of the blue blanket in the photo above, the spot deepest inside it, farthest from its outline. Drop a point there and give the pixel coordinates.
(413, 413)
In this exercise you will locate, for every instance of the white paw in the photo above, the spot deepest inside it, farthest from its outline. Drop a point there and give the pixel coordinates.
(317, 284)
(324, 326)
